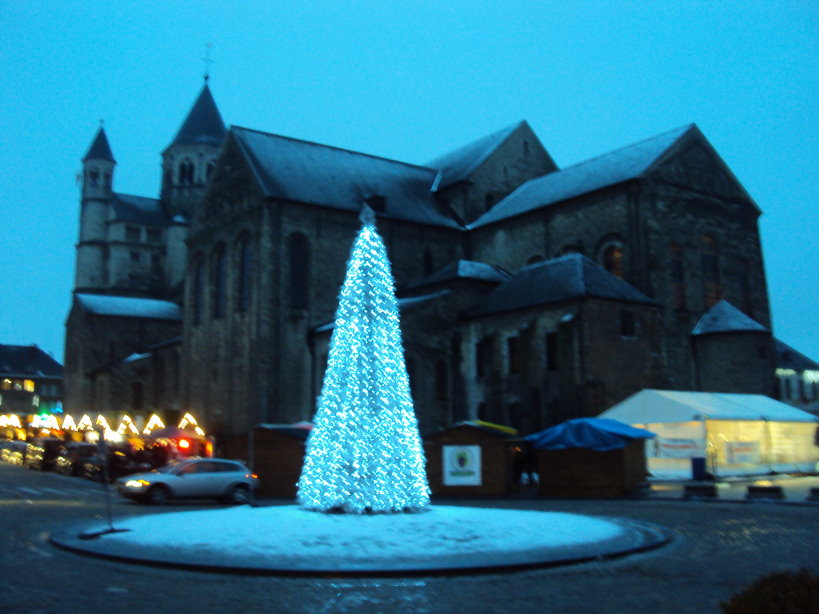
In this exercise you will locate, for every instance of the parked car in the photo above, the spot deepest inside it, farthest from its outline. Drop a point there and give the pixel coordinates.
(72, 456)
(41, 452)
(195, 478)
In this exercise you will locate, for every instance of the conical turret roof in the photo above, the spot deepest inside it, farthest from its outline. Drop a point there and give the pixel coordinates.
(100, 149)
(203, 125)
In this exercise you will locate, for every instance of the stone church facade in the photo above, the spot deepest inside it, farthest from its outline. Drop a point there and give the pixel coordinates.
(529, 294)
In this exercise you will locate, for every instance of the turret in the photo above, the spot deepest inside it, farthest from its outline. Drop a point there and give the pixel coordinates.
(97, 179)
(188, 160)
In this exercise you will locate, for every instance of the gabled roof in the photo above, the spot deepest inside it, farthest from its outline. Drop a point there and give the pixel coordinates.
(100, 149)
(725, 318)
(567, 278)
(462, 269)
(27, 361)
(306, 172)
(789, 358)
(203, 125)
(607, 170)
(459, 165)
(139, 210)
(129, 307)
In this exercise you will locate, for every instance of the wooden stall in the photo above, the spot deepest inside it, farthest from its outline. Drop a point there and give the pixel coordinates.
(277, 456)
(472, 458)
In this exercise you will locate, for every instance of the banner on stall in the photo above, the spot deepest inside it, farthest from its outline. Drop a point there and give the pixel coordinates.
(663, 447)
(462, 465)
(738, 452)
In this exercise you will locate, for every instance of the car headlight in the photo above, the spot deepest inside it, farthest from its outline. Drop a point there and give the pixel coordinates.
(137, 483)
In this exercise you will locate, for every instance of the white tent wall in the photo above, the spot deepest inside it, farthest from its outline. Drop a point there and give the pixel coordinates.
(744, 442)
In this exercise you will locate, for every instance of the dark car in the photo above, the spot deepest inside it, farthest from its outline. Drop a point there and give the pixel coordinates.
(41, 453)
(193, 478)
(72, 456)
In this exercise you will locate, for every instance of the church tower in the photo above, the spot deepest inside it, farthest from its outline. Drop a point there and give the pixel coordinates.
(97, 179)
(189, 159)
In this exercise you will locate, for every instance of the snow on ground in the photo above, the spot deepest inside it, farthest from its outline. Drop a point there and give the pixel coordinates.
(290, 531)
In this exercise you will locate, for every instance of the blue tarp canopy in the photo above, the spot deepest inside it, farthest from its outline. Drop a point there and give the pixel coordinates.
(599, 434)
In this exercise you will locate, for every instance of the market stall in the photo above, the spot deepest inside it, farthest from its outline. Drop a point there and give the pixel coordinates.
(703, 434)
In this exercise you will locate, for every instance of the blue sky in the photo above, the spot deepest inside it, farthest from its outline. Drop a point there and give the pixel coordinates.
(404, 80)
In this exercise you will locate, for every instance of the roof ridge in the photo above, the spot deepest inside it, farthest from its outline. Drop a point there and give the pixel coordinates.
(333, 147)
(682, 129)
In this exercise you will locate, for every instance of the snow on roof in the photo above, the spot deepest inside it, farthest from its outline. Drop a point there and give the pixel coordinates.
(306, 172)
(607, 170)
(459, 165)
(663, 406)
(129, 307)
(139, 210)
(566, 278)
(725, 318)
(136, 358)
(463, 269)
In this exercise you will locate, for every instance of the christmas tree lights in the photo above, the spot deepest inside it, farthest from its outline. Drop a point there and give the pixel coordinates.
(364, 454)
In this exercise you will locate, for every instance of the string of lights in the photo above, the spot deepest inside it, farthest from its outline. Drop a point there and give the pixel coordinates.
(364, 454)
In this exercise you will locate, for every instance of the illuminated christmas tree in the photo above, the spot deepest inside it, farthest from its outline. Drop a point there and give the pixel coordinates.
(364, 453)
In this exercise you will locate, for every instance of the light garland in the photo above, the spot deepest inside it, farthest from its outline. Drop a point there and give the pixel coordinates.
(364, 453)
(154, 422)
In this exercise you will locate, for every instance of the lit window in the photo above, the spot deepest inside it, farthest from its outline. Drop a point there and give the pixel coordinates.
(28, 385)
(613, 260)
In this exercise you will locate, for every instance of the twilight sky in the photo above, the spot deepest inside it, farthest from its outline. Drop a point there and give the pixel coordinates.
(404, 80)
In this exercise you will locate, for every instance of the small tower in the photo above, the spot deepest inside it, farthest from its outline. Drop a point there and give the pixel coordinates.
(97, 179)
(188, 160)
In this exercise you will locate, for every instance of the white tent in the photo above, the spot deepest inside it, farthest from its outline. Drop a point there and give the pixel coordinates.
(737, 434)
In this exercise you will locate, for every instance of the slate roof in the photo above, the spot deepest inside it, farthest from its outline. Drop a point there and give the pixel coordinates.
(462, 269)
(129, 307)
(203, 125)
(725, 318)
(607, 170)
(139, 210)
(307, 172)
(100, 149)
(789, 358)
(552, 281)
(27, 361)
(459, 165)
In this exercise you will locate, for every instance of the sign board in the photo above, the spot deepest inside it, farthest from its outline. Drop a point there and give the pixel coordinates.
(663, 447)
(737, 452)
(462, 465)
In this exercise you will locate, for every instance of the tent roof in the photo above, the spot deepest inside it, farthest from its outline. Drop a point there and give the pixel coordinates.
(662, 406)
(599, 434)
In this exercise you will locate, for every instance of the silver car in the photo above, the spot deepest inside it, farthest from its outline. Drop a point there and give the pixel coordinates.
(193, 478)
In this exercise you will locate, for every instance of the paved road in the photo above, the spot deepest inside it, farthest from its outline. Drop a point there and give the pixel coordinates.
(720, 547)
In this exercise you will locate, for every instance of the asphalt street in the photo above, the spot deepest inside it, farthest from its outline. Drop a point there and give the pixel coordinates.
(718, 548)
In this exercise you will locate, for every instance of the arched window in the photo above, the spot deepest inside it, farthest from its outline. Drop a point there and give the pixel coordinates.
(218, 279)
(677, 275)
(209, 170)
(712, 292)
(243, 272)
(441, 381)
(613, 260)
(299, 260)
(198, 290)
(186, 172)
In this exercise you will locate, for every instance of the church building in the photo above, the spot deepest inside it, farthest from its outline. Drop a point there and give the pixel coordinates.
(529, 293)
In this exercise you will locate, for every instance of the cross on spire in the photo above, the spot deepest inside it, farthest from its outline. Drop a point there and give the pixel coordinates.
(207, 61)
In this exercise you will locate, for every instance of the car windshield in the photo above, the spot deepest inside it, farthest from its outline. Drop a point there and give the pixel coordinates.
(172, 467)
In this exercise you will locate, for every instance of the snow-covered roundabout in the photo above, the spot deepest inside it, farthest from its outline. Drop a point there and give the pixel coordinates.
(294, 541)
